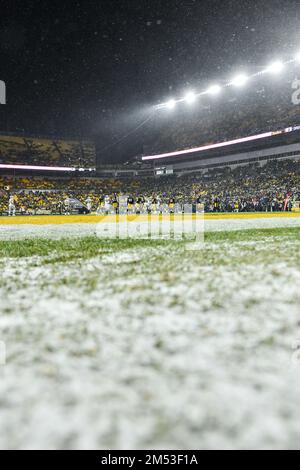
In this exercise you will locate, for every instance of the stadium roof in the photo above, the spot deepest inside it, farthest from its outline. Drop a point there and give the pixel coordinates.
(220, 144)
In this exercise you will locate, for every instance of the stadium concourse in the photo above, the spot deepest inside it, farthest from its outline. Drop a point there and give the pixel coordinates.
(273, 187)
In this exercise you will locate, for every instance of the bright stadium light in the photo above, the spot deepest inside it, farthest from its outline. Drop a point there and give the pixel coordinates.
(275, 67)
(240, 80)
(171, 104)
(39, 168)
(214, 90)
(190, 97)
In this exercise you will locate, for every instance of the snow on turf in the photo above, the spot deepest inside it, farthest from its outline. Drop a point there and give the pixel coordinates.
(85, 229)
(153, 347)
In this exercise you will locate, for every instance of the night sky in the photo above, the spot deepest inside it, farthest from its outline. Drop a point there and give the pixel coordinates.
(94, 68)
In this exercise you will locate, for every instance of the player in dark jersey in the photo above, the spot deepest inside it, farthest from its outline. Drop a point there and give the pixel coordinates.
(216, 204)
(115, 203)
(171, 205)
(130, 204)
(140, 204)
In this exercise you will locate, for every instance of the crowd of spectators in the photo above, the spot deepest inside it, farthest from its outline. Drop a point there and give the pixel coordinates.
(16, 150)
(274, 186)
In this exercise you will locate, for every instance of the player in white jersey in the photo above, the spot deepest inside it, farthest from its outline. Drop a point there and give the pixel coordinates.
(89, 204)
(67, 205)
(11, 206)
(158, 205)
(107, 205)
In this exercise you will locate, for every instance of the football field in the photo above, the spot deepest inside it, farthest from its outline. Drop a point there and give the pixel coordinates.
(143, 343)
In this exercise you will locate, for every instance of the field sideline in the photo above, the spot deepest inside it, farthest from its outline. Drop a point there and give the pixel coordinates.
(93, 219)
(90, 226)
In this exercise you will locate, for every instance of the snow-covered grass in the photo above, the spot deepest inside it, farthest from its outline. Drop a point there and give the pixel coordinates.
(143, 344)
(70, 230)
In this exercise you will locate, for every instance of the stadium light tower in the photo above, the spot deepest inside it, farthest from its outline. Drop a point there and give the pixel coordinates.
(275, 67)
(240, 80)
(171, 104)
(190, 97)
(214, 90)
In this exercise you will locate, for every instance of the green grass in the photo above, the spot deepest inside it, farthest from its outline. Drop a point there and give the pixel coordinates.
(277, 244)
(68, 248)
(252, 234)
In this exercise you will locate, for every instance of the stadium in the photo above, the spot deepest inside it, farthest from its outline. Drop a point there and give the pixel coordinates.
(150, 282)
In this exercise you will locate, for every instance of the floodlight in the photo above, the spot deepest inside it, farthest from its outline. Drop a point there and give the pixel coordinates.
(214, 90)
(239, 80)
(275, 67)
(190, 97)
(171, 104)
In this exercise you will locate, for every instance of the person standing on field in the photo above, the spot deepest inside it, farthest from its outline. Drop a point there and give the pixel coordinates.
(11, 206)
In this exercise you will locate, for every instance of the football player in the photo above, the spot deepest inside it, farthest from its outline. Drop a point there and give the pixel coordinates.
(11, 206)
